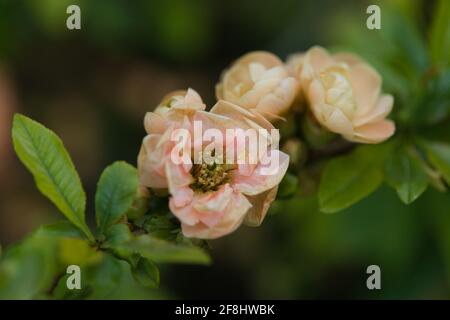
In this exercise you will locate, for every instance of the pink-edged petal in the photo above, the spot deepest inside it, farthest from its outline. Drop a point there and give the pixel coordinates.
(241, 117)
(177, 178)
(149, 175)
(316, 59)
(295, 64)
(187, 214)
(339, 123)
(215, 201)
(267, 59)
(260, 205)
(212, 207)
(381, 110)
(374, 132)
(366, 84)
(219, 91)
(232, 219)
(263, 177)
(316, 93)
(151, 160)
(256, 71)
(271, 103)
(154, 123)
(192, 97)
(346, 57)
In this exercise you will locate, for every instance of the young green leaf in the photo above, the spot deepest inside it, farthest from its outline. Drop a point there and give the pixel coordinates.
(28, 268)
(348, 179)
(165, 252)
(117, 234)
(162, 226)
(63, 229)
(439, 156)
(77, 251)
(146, 273)
(116, 190)
(44, 155)
(440, 33)
(405, 173)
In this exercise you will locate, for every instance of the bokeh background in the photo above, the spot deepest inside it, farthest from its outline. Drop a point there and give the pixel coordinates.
(93, 87)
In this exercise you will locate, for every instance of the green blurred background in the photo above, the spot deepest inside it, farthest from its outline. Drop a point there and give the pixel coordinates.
(93, 86)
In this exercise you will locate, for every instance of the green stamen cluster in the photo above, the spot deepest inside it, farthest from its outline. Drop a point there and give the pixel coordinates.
(209, 177)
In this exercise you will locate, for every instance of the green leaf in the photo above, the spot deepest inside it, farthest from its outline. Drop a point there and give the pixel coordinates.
(117, 234)
(406, 174)
(434, 106)
(163, 226)
(43, 153)
(288, 186)
(146, 273)
(440, 33)
(77, 251)
(161, 251)
(98, 281)
(348, 179)
(28, 268)
(59, 229)
(116, 190)
(439, 156)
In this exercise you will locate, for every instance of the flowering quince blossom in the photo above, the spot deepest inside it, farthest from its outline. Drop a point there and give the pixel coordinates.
(210, 200)
(344, 94)
(259, 81)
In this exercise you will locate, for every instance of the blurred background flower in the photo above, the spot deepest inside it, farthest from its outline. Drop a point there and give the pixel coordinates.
(93, 87)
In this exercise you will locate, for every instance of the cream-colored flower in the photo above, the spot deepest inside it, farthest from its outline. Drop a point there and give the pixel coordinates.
(259, 81)
(344, 94)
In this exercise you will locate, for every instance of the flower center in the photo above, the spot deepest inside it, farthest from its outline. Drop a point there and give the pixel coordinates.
(209, 177)
(339, 91)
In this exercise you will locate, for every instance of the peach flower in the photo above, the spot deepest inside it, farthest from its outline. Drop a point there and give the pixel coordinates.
(210, 200)
(344, 94)
(175, 111)
(258, 81)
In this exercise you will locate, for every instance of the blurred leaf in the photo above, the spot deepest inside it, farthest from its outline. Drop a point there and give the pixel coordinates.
(61, 292)
(51, 14)
(439, 156)
(440, 33)
(98, 281)
(43, 153)
(288, 185)
(104, 278)
(59, 229)
(178, 28)
(348, 179)
(435, 103)
(146, 273)
(162, 226)
(137, 209)
(77, 251)
(117, 234)
(405, 173)
(406, 38)
(27, 268)
(116, 189)
(159, 250)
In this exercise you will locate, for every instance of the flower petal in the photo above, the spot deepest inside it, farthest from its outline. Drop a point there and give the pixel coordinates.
(260, 205)
(382, 109)
(374, 132)
(366, 84)
(338, 122)
(232, 219)
(263, 177)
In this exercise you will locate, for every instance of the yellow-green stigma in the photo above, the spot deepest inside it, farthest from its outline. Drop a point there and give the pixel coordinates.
(209, 177)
